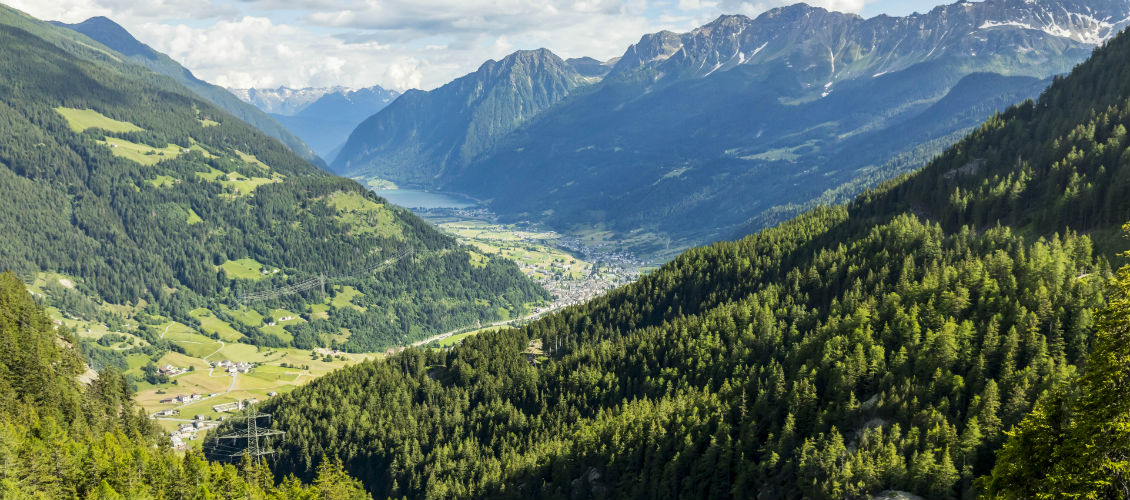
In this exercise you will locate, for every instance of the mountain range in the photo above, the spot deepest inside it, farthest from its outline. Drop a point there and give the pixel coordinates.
(113, 36)
(283, 101)
(957, 332)
(426, 136)
(734, 126)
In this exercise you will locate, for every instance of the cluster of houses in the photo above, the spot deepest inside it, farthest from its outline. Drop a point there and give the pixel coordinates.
(284, 318)
(184, 398)
(239, 404)
(233, 367)
(171, 370)
(189, 431)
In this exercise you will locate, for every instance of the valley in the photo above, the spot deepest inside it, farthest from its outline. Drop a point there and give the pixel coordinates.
(782, 255)
(191, 376)
(733, 126)
(573, 268)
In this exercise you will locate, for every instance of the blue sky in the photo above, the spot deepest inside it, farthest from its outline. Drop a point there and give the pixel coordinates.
(399, 43)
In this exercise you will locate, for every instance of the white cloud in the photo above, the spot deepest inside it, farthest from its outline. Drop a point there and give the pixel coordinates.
(73, 11)
(395, 43)
(61, 10)
(256, 52)
(404, 73)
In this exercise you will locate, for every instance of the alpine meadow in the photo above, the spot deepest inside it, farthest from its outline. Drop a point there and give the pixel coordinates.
(252, 250)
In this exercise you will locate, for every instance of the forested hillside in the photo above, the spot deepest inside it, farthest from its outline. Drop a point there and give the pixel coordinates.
(1076, 442)
(889, 344)
(60, 439)
(149, 203)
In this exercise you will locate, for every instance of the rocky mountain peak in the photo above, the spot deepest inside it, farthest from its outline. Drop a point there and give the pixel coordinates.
(835, 46)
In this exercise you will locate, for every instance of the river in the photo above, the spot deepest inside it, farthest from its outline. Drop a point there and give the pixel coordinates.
(414, 198)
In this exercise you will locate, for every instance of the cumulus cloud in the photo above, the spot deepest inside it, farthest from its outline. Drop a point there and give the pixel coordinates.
(398, 44)
(72, 11)
(61, 10)
(256, 52)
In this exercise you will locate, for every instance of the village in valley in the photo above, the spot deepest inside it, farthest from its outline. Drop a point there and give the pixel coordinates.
(182, 429)
(570, 270)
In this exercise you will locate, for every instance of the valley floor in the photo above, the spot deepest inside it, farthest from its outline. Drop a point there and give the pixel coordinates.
(570, 270)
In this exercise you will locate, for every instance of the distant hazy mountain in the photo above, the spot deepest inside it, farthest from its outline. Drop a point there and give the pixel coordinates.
(591, 68)
(425, 136)
(737, 124)
(112, 35)
(283, 100)
(326, 123)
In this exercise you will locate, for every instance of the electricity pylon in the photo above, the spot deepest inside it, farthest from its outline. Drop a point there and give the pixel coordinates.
(253, 449)
(251, 435)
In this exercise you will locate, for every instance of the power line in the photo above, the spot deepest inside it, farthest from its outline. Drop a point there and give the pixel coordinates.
(319, 281)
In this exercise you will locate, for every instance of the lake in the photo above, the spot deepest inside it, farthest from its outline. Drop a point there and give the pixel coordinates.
(413, 198)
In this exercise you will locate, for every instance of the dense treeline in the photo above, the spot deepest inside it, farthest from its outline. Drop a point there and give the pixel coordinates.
(912, 348)
(1076, 442)
(888, 344)
(63, 440)
(158, 233)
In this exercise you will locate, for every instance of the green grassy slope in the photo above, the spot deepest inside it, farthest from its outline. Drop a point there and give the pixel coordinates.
(145, 206)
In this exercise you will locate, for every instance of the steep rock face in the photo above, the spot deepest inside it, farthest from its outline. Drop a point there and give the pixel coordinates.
(839, 46)
(422, 135)
(651, 48)
(112, 35)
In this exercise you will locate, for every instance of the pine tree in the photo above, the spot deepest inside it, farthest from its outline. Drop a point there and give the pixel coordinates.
(1076, 442)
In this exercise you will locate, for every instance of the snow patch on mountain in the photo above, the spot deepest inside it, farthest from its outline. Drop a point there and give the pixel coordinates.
(284, 100)
(1086, 29)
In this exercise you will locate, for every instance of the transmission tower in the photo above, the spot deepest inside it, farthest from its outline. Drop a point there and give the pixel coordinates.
(251, 436)
(253, 448)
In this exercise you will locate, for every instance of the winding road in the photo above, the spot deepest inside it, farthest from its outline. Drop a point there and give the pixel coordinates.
(436, 338)
(211, 368)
